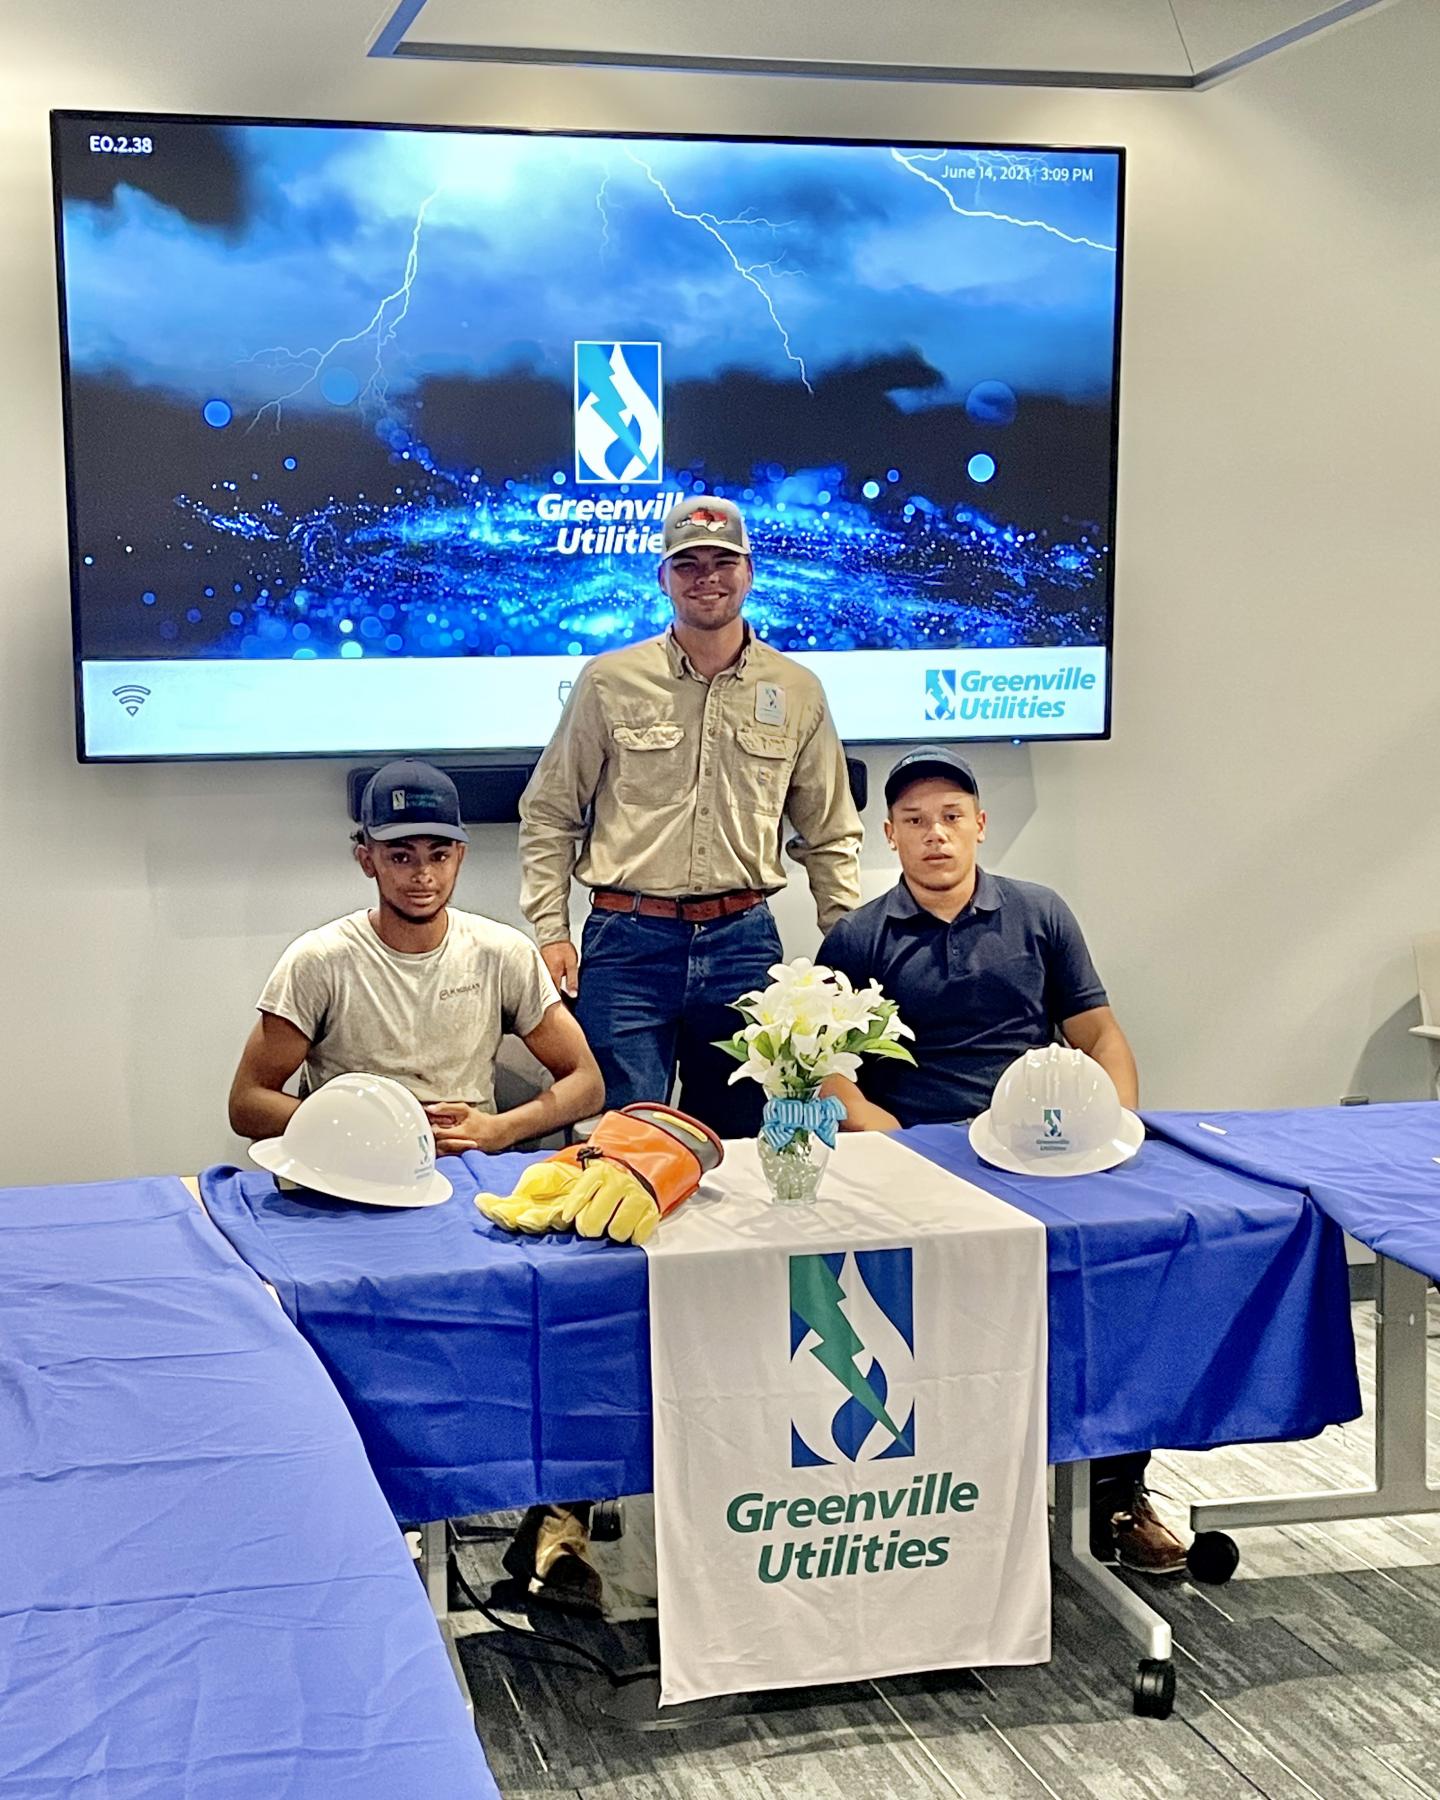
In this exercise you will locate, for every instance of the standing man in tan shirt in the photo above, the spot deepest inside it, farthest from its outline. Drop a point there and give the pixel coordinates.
(663, 790)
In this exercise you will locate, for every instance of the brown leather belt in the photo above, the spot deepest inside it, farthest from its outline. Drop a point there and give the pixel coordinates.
(694, 911)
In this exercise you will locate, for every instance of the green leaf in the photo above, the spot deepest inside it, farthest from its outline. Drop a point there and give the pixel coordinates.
(735, 1047)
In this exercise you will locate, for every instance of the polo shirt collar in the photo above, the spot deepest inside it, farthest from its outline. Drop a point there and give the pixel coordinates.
(986, 897)
(904, 909)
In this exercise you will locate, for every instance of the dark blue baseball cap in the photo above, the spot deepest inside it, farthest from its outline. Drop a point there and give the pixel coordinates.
(411, 799)
(921, 765)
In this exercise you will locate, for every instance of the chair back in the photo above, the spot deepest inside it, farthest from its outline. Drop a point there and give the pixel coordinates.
(1427, 976)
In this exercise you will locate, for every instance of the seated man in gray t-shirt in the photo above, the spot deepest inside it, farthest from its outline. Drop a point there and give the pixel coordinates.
(415, 990)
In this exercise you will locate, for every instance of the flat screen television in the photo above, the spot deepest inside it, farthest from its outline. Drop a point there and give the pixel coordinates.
(370, 429)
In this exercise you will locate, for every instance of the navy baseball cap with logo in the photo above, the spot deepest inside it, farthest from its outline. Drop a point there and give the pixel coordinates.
(411, 799)
(924, 765)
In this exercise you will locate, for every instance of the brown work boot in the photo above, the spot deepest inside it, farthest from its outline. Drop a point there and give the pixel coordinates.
(1144, 1542)
(549, 1556)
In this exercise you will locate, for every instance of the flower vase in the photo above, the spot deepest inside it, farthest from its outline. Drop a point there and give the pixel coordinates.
(794, 1146)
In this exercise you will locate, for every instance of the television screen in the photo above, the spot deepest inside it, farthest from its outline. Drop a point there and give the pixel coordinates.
(371, 430)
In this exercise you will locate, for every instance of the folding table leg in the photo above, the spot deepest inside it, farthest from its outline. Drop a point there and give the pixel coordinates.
(1401, 1485)
(1154, 1684)
(435, 1573)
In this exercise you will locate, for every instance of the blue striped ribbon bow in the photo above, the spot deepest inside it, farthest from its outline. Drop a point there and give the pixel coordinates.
(784, 1117)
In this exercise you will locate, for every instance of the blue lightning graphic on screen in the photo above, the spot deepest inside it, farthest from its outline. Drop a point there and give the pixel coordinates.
(746, 271)
(379, 326)
(909, 160)
(600, 207)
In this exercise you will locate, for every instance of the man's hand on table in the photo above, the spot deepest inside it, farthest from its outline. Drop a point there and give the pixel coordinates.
(458, 1127)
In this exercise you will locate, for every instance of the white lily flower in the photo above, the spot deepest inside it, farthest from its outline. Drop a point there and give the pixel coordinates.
(854, 1011)
(815, 1022)
(799, 976)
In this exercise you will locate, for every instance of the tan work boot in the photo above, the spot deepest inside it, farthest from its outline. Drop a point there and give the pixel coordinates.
(1144, 1542)
(550, 1555)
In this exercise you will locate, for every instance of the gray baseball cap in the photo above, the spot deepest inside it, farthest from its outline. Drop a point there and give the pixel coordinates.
(411, 799)
(920, 765)
(704, 519)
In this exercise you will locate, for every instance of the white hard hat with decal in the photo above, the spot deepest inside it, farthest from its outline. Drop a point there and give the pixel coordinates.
(1055, 1112)
(360, 1137)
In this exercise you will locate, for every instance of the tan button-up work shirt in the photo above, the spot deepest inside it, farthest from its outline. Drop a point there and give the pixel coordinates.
(660, 782)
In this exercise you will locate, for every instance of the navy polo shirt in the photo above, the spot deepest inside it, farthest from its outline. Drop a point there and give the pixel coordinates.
(995, 981)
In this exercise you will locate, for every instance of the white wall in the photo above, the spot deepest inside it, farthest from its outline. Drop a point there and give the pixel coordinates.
(1250, 854)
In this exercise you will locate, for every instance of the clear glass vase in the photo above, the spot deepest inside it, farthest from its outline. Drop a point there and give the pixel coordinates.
(793, 1172)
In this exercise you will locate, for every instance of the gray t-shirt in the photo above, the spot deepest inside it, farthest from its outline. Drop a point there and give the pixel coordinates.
(431, 1020)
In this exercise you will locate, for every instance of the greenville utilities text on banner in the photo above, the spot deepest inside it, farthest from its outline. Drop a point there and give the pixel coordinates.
(849, 1428)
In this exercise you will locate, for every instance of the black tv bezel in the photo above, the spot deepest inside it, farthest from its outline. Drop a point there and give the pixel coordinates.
(65, 116)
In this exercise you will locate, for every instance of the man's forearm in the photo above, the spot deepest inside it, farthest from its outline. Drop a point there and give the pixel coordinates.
(829, 828)
(1115, 1057)
(546, 859)
(833, 872)
(260, 1112)
(860, 1114)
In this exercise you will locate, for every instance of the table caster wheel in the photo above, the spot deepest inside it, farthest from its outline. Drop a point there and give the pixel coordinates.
(1214, 1557)
(607, 1521)
(1154, 1689)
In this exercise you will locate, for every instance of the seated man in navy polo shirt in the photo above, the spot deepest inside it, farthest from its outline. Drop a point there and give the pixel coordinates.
(982, 968)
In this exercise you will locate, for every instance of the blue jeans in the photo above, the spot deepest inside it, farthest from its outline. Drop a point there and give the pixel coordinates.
(655, 993)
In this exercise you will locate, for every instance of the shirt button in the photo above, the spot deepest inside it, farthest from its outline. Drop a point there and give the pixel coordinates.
(704, 812)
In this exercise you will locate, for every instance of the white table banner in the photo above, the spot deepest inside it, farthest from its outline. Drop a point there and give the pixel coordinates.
(850, 1405)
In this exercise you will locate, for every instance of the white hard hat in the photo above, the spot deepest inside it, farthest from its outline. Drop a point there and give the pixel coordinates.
(1055, 1112)
(360, 1137)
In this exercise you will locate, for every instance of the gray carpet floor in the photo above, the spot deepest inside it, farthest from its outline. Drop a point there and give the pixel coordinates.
(1313, 1675)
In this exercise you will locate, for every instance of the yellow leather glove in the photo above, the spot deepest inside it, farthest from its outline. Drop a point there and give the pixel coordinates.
(607, 1201)
(536, 1205)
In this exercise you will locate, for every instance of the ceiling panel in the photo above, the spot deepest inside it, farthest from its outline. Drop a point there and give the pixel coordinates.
(1129, 36)
(1103, 43)
(1217, 29)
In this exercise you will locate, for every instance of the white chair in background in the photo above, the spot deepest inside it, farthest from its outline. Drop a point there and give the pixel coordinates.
(1427, 976)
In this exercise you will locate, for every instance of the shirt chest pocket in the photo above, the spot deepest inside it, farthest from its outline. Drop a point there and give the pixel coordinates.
(995, 989)
(651, 763)
(764, 763)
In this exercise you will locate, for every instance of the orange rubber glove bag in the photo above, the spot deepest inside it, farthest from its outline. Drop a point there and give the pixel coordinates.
(666, 1154)
(638, 1164)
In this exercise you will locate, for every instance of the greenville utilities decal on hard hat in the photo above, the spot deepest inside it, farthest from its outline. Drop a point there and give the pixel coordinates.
(852, 1365)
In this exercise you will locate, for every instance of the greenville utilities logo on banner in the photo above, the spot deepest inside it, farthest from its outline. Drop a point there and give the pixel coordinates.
(852, 1358)
(849, 1436)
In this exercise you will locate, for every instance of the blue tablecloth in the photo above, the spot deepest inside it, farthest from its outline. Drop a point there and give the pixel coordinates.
(1374, 1169)
(1188, 1307)
(202, 1594)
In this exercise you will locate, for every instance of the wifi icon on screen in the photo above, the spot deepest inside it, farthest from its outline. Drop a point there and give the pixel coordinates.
(132, 697)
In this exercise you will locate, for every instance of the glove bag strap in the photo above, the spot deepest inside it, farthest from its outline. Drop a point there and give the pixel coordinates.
(588, 1153)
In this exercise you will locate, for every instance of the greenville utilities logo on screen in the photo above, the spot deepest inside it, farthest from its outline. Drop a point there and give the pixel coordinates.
(619, 446)
(618, 436)
(852, 1402)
